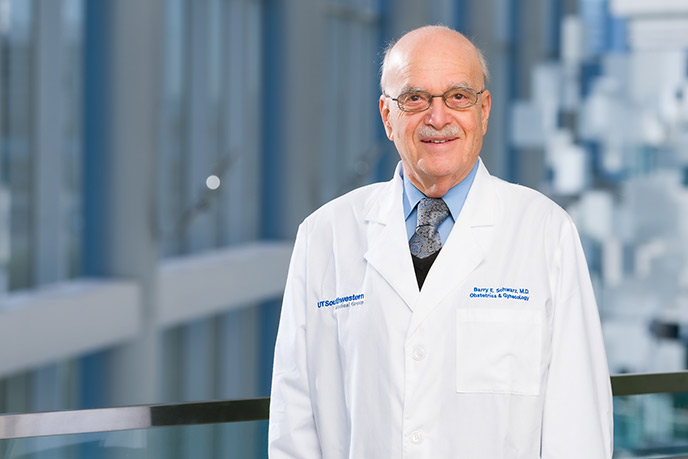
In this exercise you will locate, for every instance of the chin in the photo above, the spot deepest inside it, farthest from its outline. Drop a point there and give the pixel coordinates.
(440, 167)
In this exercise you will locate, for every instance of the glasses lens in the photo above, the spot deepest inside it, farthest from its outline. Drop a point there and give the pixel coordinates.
(461, 97)
(414, 101)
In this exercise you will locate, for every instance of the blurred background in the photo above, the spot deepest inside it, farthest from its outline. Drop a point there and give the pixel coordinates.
(157, 156)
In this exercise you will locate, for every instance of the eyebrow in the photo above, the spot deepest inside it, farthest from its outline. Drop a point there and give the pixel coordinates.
(408, 89)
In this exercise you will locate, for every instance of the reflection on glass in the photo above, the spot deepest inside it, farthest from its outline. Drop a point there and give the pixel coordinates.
(654, 425)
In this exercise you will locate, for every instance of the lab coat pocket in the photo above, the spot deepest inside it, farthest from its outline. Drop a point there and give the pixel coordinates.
(498, 350)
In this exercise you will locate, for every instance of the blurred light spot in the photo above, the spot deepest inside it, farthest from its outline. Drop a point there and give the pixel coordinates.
(212, 182)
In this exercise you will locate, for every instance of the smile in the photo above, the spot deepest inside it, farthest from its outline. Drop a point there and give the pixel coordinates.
(437, 141)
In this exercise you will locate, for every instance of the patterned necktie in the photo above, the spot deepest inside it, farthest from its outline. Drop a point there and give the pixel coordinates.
(426, 240)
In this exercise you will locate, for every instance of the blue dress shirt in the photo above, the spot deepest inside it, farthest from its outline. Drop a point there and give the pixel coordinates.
(455, 198)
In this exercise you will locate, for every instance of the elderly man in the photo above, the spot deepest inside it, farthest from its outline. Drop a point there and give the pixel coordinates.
(445, 313)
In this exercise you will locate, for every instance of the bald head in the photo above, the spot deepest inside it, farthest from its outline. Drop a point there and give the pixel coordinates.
(439, 143)
(428, 39)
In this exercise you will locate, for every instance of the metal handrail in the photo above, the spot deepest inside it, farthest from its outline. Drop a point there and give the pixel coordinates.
(26, 425)
(649, 383)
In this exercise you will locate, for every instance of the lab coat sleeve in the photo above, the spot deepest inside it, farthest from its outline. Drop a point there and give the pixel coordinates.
(577, 412)
(292, 432)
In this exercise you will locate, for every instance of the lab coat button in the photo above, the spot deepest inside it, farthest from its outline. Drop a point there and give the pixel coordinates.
(418, 353)
(417, 437)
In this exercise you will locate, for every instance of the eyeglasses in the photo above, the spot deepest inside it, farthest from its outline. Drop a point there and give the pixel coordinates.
(456, 98)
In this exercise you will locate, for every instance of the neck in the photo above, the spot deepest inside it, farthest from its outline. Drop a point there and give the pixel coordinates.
(436, 189)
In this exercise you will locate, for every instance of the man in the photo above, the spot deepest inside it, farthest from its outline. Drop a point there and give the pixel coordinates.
(464, 327)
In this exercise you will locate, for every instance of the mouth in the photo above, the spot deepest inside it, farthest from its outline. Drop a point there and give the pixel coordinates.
(438, 141)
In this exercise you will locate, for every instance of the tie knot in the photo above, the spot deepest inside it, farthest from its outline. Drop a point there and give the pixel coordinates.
(431, 211)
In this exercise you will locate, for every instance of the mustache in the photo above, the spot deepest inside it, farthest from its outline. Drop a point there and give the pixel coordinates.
(447, 131)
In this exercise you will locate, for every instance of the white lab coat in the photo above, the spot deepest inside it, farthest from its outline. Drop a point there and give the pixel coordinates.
(499, 356)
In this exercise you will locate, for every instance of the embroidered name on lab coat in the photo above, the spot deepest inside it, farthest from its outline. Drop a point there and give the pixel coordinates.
(521, 294)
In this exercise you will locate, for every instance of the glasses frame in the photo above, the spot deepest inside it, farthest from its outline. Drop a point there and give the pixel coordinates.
(432, 96)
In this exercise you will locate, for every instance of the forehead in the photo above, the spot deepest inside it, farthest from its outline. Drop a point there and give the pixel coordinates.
(433, 64)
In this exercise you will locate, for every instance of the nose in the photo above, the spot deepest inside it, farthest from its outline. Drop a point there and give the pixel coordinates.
(437, 115)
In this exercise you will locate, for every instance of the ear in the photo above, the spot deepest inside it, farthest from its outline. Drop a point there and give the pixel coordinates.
(384, 114)
(485, 107)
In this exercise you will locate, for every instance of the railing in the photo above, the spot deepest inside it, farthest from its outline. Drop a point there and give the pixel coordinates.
(649, 383)
(13, 426)
(30, 425)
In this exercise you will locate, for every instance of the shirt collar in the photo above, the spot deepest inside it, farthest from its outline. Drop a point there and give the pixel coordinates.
(454, 198)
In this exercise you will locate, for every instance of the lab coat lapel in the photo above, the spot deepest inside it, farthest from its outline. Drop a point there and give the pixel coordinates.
(388, 251)
(462, 253)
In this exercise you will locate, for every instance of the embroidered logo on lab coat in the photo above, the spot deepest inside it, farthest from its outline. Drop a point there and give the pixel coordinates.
(343, 301)
(508, 293)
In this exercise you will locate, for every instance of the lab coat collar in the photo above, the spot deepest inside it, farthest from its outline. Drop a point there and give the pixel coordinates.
(460, 255)
(388, 241)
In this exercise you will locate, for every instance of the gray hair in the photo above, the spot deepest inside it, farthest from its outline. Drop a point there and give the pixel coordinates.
(386, 52)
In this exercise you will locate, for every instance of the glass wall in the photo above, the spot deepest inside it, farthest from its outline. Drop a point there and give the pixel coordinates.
(40, 171)
(40, 131)
(210, 131)
(352, 137)
(17, 47)
(610, 118)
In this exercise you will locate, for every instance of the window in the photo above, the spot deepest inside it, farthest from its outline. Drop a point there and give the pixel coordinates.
(210, 124)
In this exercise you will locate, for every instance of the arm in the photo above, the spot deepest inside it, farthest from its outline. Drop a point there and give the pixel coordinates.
(577, 413)
(292, 431)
